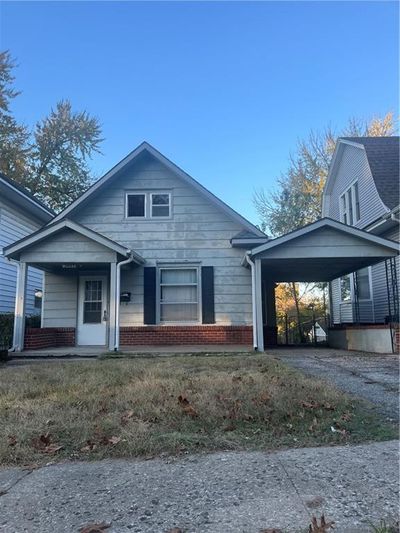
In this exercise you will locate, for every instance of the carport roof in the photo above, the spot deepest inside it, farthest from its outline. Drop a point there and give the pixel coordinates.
(321, 251)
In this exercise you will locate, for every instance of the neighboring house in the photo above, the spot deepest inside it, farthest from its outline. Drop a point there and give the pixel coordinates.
(362, 190)
(20, 215)
(148, 256)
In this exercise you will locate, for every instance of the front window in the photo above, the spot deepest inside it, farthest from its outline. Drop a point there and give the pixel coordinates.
(179, 295)
(350, 205)
(345, 288)
(363, 284)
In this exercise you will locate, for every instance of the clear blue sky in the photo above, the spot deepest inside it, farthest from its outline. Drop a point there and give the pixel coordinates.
(223, 89)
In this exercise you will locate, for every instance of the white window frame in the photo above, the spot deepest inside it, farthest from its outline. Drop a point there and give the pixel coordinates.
(148, 195)
(350, 207)
(179, 266)
(135, 217)
(156, 193)
(352, 298)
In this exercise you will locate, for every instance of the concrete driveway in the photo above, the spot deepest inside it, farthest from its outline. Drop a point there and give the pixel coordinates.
(243, 492)
(372, 377)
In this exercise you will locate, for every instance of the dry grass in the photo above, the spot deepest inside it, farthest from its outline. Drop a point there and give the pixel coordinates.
(145, 407)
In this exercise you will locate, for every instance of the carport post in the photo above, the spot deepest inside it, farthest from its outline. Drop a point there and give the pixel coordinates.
(19, 318)
(259, 312)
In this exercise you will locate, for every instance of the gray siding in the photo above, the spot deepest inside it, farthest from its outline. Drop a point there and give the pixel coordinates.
(197, 231)
(14, 225)
(60, 301)
(354, 166)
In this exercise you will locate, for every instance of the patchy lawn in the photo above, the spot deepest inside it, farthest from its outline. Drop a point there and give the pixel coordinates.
(145, 407)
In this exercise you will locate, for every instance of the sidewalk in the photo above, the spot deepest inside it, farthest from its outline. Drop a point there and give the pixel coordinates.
(235, 492)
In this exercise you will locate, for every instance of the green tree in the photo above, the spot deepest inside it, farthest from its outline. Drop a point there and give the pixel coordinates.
(14, 149)
(51, 161)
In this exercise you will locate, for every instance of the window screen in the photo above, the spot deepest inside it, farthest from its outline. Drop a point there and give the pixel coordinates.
(179, 301)
(136, 205)
(160, 205)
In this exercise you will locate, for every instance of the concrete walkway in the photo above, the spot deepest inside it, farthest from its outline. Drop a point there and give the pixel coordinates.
(373, 377)
(218, 493)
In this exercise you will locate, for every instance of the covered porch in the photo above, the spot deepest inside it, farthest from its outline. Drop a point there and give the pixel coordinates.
(84, 268)
(320, 252)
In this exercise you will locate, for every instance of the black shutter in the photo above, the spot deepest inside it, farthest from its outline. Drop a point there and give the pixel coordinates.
(149, 296)
(207, 294)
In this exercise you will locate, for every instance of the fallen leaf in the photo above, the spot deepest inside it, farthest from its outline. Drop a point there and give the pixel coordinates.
(310, 405)
(188, 409)
(313, 425)
(346, 417)
(321, 527)
(271, 530)
(114, 440)
(126, 417)
(12, 440)
(53, 448)
(175, 530)
(42, 441)
(328, 406)
(90, 446)
(95, 528)
(315, 502)
(237, 378)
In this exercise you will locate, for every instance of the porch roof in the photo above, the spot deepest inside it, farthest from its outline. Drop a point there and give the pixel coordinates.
(51, 232)
(321, 251)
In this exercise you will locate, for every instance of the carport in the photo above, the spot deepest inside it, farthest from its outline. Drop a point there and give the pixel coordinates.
(320, 252)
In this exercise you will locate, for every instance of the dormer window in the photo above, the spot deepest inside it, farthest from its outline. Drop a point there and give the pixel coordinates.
(350, 205)
(148, 205)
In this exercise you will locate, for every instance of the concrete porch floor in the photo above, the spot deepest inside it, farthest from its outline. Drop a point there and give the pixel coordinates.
(94, 351)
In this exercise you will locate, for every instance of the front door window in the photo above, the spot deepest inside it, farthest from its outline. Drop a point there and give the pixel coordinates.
(92, 305)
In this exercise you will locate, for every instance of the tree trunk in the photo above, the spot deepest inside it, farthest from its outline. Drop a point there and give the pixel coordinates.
(296, 303)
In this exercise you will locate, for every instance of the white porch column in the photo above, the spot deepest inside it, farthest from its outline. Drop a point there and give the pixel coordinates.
(259, 311)
(19, 319)
(114, 300)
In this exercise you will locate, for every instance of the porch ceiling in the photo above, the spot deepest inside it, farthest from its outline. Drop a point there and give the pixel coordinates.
(322, 251)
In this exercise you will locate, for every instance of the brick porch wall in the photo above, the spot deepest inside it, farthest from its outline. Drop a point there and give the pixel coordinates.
(170, 335)
(40, 338)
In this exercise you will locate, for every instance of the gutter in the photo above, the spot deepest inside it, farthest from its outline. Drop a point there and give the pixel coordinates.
(253, 298)
(391, 215)
(130, 259)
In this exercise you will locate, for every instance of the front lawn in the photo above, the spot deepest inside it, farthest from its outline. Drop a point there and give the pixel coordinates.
(151, 406)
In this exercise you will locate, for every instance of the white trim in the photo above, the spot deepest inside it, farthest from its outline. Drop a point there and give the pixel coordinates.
(325, 222)
(179, 266)
(176, 170)
(161, 192)
(54, 228)
(135, 193)
(32, 201)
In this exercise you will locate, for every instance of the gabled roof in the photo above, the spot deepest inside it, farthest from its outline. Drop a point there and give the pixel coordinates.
(321, 251)
(383, 155)
(383, 158)
(20, 196)
(47, 231)
(146, 147)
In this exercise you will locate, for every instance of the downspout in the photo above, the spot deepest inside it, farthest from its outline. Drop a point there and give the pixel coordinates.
(117, 302)
(253, 299)
(16, 263)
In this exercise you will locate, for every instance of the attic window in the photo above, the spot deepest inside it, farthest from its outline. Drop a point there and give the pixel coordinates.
(136, 205)
(350, 205)
(160, 204)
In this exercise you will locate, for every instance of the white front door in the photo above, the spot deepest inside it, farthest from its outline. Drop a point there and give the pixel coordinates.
(92, 311)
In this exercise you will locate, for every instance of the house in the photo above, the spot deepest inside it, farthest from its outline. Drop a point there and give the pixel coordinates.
(148, 256)
(362, 190)
(20, 215)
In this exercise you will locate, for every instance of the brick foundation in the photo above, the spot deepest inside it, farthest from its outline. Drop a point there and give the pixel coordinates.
(180, 335)
(40, 338)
